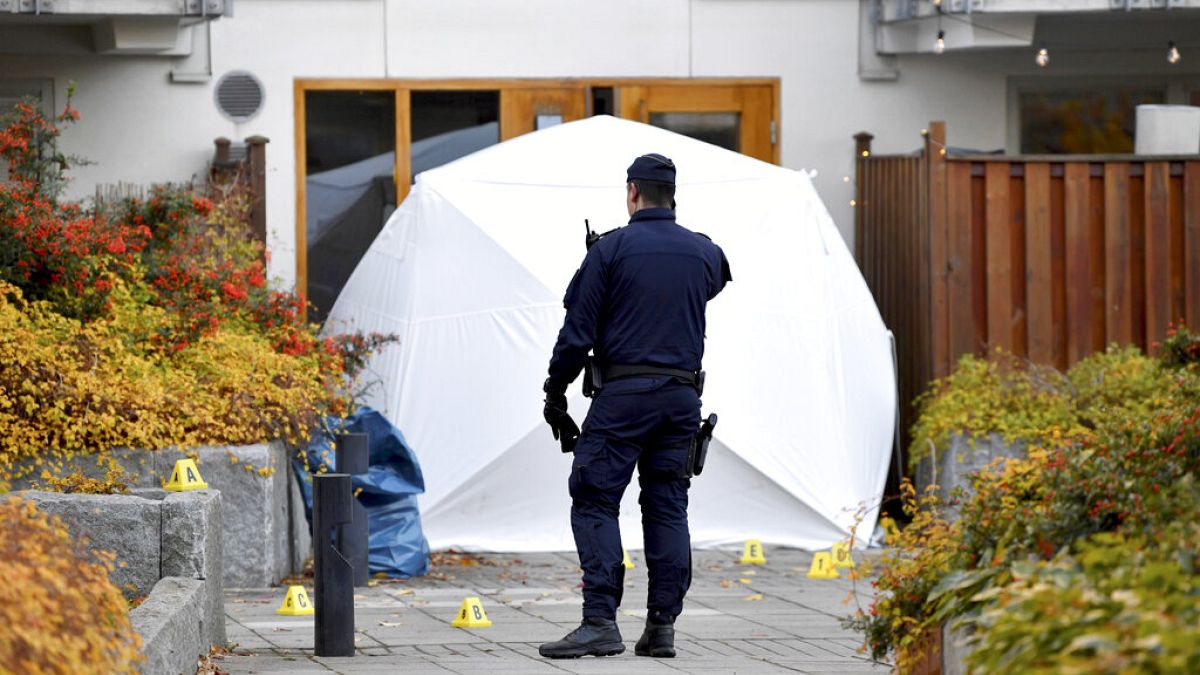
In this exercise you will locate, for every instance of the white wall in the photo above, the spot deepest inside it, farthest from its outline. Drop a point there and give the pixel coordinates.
(141, 128)
(537, 38)
(280, 41)
(812, 47)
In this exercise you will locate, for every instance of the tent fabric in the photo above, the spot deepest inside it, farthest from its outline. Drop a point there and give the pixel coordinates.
(388, 492)
(470, 272)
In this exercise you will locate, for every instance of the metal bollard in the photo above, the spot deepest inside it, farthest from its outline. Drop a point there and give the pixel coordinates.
(332, 499)
(352, 456)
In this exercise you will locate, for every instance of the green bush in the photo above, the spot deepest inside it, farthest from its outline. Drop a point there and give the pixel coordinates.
(1003, 395)
(1079, 557)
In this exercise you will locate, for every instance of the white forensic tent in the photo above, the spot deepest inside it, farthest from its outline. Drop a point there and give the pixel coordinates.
(470, 272)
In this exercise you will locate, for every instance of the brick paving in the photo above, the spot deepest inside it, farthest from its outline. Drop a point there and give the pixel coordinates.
(534, 598)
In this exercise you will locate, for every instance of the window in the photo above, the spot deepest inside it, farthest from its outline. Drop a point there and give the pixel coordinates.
(350, 189)
(1095, 120)
(447, 125)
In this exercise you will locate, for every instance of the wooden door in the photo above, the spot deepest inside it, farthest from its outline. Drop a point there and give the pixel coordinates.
(521, 108)
(740, 117)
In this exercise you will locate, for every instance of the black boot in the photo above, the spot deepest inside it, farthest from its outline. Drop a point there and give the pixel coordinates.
(596, 636)
(658, 640)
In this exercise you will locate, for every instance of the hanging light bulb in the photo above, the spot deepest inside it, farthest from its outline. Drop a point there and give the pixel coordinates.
(940, 45)
(937, 3)
(1043, 57)
(1173, 56)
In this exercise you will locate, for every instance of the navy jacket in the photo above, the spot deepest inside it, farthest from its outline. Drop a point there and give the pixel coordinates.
(639, 298)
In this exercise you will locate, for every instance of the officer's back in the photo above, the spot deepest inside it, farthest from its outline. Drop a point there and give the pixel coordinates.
(659, 277)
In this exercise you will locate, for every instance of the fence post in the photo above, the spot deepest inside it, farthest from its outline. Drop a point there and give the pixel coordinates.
(862, 150)
(933, 269)
(256, 157)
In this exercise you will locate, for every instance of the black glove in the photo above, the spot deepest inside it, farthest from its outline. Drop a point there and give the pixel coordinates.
(561, 425)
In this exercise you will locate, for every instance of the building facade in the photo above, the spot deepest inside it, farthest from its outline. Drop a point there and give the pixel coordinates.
(357, 96)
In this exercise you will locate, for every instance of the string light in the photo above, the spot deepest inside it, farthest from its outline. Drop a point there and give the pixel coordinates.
(940, 46)
(1042, 57)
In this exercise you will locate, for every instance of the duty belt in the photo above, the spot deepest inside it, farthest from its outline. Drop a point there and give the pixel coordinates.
(595, 375)
(616, 372)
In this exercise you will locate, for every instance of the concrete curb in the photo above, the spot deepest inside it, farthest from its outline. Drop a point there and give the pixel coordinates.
(266, 536)
(165, 535)
(171, 622)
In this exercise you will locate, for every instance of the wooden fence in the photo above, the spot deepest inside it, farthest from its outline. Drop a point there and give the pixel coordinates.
(1049, 257)
(245, 163)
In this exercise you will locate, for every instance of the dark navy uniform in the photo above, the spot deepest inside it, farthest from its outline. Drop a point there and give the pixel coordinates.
(637, 300)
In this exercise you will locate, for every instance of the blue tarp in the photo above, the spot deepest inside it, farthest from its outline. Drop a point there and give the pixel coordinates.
(389, 492)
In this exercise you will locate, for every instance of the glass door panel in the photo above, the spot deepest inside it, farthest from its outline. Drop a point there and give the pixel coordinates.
(718, 128)
(350, 190)
(447, 125)
(733, 116)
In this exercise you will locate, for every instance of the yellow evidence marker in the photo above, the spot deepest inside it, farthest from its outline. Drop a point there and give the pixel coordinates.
(752, 553)
(185, 477)
(471, 615)
(822, 567)
(841, 555)
(628, 561)
(296, 603)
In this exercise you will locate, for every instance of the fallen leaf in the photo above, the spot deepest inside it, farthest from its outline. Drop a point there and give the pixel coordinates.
(750, 573)
(744, 580)
(391, 624)
(755, 598)
(725, 583)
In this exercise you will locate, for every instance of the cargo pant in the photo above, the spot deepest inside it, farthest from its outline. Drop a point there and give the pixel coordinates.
(645, 422)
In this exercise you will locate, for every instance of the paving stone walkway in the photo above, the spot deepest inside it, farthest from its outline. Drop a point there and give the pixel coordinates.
(738, 619)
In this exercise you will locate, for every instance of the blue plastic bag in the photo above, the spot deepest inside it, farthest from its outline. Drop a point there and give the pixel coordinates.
(389, 492)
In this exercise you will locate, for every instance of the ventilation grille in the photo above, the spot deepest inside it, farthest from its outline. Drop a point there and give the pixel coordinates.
(239, 95)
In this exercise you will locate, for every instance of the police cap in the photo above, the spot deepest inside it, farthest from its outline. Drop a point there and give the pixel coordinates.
(652, 167)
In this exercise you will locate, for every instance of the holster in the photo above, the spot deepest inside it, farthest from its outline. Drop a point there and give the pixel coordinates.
(698, 447)
(592, 379)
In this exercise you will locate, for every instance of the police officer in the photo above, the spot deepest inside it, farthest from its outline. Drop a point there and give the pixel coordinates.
(637, 303)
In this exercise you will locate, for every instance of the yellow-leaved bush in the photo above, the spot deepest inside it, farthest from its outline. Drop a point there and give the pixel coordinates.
(59, 611)
(70, 388)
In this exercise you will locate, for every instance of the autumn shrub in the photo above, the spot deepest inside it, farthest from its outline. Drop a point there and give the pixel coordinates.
(54, 250)
(69, 388)
(146, 322)
(900, 622)
(1077, 557)
(59, 611)
(1180, 347)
